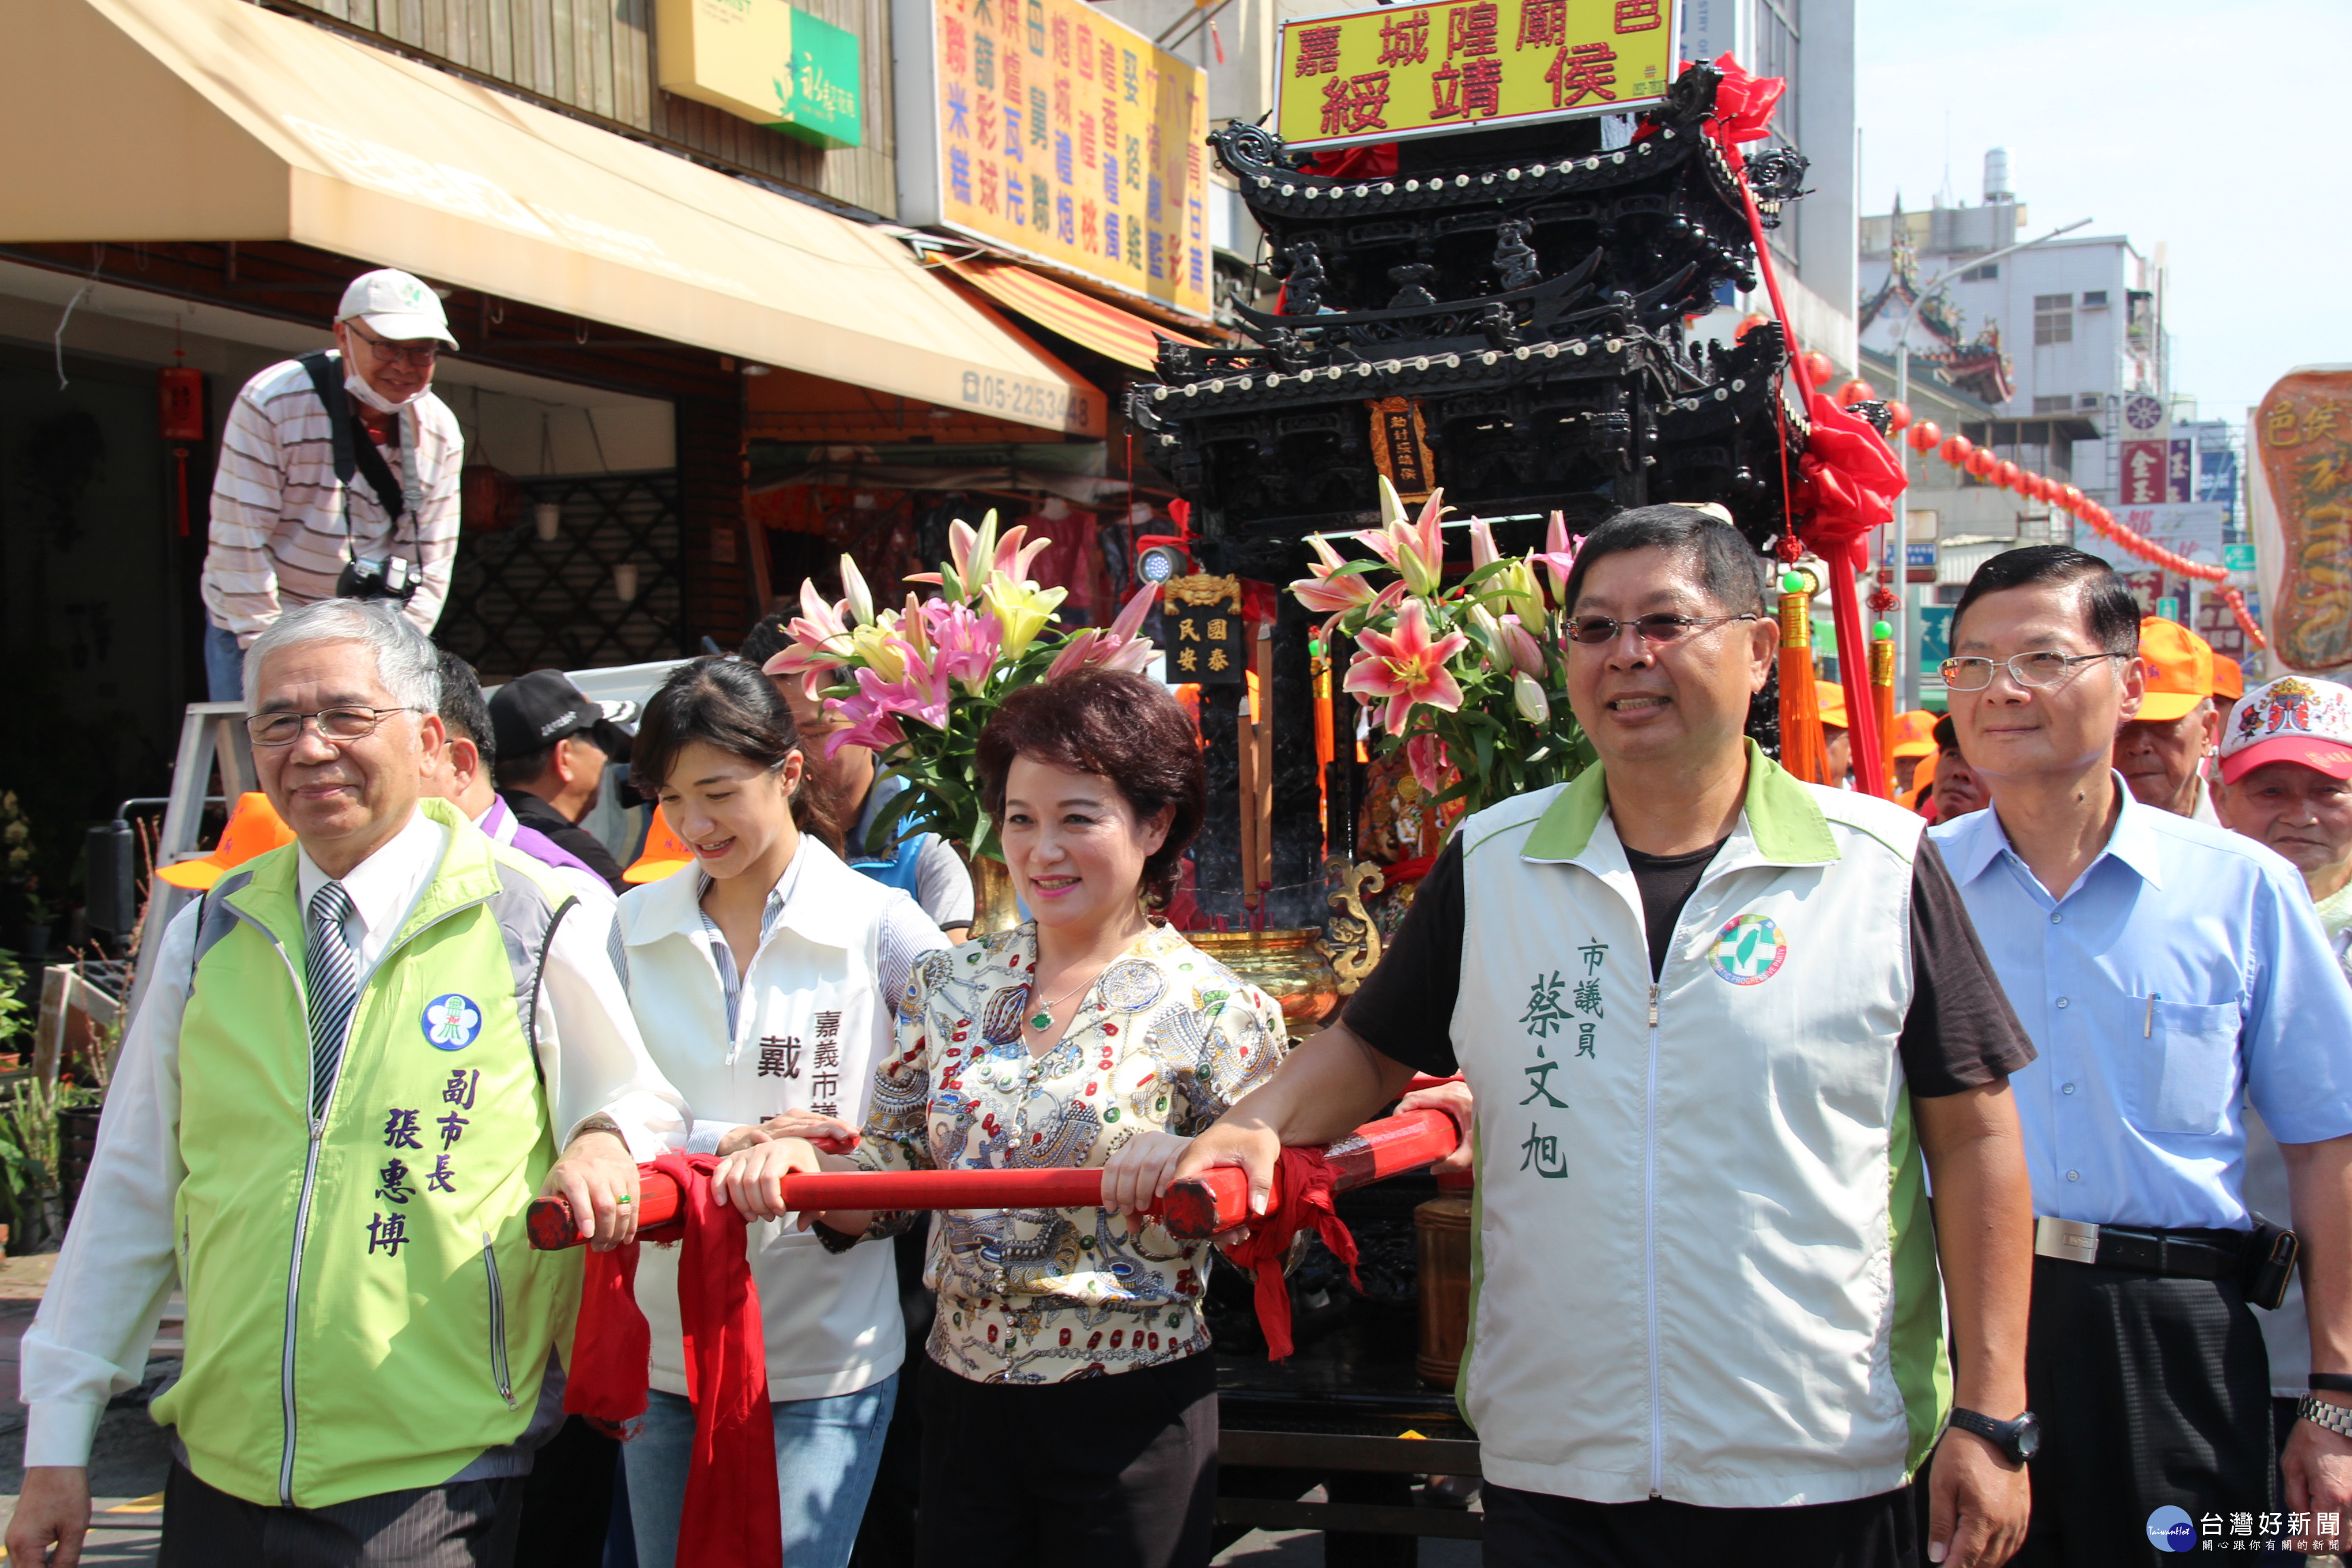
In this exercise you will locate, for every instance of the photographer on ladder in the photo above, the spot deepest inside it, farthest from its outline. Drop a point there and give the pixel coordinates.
(338, 477)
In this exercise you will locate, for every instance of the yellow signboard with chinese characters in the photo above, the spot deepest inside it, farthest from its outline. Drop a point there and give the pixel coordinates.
(1062, 135)
(1397, 71)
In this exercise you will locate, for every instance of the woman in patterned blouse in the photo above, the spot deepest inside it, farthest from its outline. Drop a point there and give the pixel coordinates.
(1069, 1411)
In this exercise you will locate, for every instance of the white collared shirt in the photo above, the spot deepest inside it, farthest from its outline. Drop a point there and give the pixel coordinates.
(99, 1315)
(383, 888)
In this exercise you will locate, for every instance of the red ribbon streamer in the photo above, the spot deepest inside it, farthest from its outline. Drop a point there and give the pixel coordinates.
(1302, 1198)
(732, 1517)
(1849, 477)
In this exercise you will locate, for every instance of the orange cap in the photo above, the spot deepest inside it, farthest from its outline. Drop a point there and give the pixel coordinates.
(665, 852)
(2229, 678)
(1831, 698)
(254, 828)
(1915, 734)
(2180, 669)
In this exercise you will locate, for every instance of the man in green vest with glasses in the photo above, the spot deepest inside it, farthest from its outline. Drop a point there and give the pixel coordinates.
(357, 1060)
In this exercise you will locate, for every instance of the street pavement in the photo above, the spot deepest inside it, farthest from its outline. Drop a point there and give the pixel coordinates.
(128, 1459)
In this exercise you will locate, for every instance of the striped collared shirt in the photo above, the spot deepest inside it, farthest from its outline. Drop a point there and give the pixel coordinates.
(277, 533)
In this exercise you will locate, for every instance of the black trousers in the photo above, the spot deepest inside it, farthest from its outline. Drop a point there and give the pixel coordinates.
(1535, 1530)
(1120, 1469)
(467, 1524)
(2151, 1391)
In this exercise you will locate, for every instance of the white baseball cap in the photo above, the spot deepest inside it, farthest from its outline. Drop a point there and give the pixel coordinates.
(395, 305)
(2291, 720)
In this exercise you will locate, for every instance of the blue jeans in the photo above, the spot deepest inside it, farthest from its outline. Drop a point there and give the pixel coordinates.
(827, 1454)
(224, 665)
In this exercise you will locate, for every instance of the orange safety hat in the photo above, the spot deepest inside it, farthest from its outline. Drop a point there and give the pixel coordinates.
(2229, 678)
(1915, 734)
(254, 828)
(1831, 698)
(2179, 669)
(665, 852)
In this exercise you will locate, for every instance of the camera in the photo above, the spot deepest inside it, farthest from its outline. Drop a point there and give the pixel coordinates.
(388, 577)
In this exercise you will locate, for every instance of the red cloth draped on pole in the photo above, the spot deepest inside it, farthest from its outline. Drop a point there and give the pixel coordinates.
(732, 1518)
(1848, 478)
(1302, 1198)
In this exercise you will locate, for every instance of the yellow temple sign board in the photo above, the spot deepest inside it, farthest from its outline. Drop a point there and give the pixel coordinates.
(1396, 71)
(1049, 130)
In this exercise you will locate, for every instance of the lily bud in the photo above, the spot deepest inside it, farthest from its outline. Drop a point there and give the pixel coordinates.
(1530, 700)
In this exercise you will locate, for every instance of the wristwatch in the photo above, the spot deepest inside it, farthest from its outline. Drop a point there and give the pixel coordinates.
(2336, 1418)
(2020, 1440)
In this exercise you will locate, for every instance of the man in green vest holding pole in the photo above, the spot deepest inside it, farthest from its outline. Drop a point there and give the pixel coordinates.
(358, 1059)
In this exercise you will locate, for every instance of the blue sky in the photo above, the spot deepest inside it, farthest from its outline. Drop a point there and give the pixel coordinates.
(2148, 118)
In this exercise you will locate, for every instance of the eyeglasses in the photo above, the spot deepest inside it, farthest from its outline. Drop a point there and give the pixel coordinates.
(1599, 629)
(421, 355)
(338, 725)
(2045, 667)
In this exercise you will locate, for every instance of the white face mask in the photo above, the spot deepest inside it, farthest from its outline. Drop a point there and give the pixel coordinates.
(356, 385)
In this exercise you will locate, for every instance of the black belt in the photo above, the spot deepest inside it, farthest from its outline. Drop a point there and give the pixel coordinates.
(2175, 1254)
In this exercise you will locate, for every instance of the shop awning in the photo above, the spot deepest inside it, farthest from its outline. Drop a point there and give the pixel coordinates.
(1117, 334)
(216, 120)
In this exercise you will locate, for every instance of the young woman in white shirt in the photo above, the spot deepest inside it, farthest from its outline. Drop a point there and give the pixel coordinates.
(766, 975)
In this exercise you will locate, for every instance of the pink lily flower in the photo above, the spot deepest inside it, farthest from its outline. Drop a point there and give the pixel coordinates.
(868, 724)
(1328, 596)
(1430, 761)
(964, 643)
(1482, 544)
(1407, 666)
(921, 692)
(1415, 549)
(969, 551)
(820, 636)
(1557, 556)
(1120, 645)
(1012, 556)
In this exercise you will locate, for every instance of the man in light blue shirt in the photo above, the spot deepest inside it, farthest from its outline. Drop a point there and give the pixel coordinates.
(2162, 966)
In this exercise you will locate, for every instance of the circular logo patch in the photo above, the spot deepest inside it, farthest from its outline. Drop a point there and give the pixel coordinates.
(2170, 1530)
(452, 1023)
(1748, 950)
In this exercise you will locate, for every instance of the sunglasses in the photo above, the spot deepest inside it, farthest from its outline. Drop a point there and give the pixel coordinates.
(1596, 630)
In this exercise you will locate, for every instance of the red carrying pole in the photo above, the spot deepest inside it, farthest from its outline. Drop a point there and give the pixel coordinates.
(1198, 1207)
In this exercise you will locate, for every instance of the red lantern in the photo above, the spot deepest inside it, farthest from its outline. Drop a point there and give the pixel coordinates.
(2071, 500)
(1818, 368)
(1955, 450)
(1898, 416)
(1748, 324)
(1924, 437)
(2006, 474)
(1981, 462)
(1855, 391)
(2028, 485)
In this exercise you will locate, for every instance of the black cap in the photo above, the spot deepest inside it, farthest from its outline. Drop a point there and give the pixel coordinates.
(534, 711)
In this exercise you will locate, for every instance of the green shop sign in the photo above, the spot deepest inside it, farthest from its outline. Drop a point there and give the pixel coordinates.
(765, 61)
(822, 105)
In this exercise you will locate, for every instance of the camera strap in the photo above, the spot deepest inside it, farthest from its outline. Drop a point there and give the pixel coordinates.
(355, 451)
